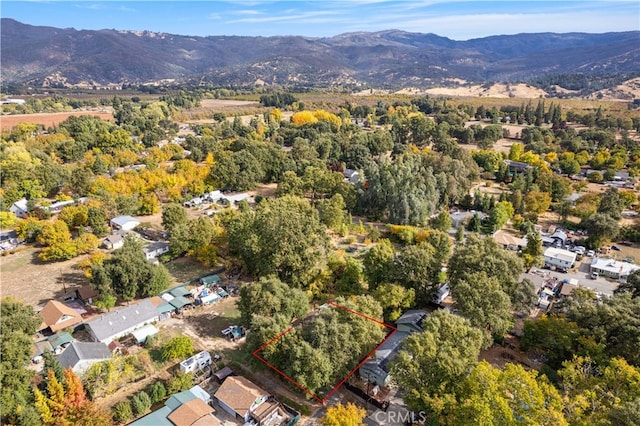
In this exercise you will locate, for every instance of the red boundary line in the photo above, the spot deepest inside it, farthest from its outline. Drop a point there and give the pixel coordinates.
(336, 387)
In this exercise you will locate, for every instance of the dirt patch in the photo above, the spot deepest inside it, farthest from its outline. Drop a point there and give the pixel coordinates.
(25, 277)
(7, 122)
(498, 90)
(223, 104)
(509, 351)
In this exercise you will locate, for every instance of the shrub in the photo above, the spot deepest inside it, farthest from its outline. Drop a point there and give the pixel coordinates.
(140, 403)
(122, 412)
(177, 348)
(157, 392)
(179, 383)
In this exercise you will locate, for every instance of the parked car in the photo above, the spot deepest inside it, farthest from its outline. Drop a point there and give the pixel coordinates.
(594, 275)
(591, 253)
(561, 270)
(616, 248)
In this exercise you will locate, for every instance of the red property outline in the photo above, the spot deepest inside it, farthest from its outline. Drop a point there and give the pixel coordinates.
(335, 388)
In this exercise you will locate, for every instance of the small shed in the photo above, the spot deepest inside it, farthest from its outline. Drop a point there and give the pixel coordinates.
(209, 280)
(180, 302)
(179, 291)
(142, 333)
(220, 375)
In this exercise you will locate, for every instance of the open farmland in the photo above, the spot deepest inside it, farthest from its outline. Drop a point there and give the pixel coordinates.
(7, 122)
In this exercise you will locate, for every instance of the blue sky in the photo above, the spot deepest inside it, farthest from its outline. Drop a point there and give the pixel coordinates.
(459, 20)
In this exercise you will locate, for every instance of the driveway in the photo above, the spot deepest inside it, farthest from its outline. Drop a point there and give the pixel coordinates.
(580, 273)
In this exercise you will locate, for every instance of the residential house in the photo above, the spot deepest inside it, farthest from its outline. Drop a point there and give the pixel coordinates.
(124, 223)
(156, 249)
(236, 198)
(237, 395)
(86, 294)
(351, 176)
(251, 405)
(461, 218)
(116, 324)
(114, 241)
(57, 316)
(612, 268)
(19, 208)
(187, 408)
(55, 343)
(508, 241)
(82, 355)
(559, 258)
(516, 167)
(376, 370)
(560, 238)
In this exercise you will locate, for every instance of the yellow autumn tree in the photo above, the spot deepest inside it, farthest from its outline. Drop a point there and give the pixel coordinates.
(303, 117)
(344, 415)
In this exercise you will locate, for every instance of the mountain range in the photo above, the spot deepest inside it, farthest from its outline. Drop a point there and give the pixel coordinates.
(47, 56)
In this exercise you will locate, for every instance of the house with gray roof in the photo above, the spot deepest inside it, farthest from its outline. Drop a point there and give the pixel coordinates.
(116, 324)
(376, 370)
(82, 355)
(124, 223)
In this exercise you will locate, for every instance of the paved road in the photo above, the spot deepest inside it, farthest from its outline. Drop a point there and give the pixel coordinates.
(580, 273)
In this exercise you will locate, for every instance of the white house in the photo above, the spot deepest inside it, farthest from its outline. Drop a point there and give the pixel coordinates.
(612, 268)
(559, 257)
(124, 223)
(19, 208)
(155, 249)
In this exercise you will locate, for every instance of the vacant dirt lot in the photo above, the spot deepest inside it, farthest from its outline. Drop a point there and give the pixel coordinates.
(24, 276)
(47, 119)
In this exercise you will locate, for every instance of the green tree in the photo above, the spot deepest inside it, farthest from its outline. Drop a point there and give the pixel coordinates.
(500, 215)
(269, 297)
(332, 211)
(483, 254)
(179, 382)
(481, 299)
(601, 228)
(431, 364)
(19, 323)
(611, 203)
(378, 262)
(510, 396)
(283, 237)
(173, 215)
(97, 220)
(537, 202)
(532, 252)
(178, 348)
(442, 221)
(394, 299)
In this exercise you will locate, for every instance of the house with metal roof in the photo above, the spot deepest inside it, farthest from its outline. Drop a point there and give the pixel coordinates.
(124, 223)
(187, 408)
(611, 268)
(559, 257)
(82, 355)
(57, 316)
(116, 324)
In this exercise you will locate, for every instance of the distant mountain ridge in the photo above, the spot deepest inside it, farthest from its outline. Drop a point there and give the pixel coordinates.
(44, 56)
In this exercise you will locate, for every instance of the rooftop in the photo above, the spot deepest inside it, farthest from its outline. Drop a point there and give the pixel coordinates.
(58, 316)
(78, 351)
(112, 323)
(239, 394)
